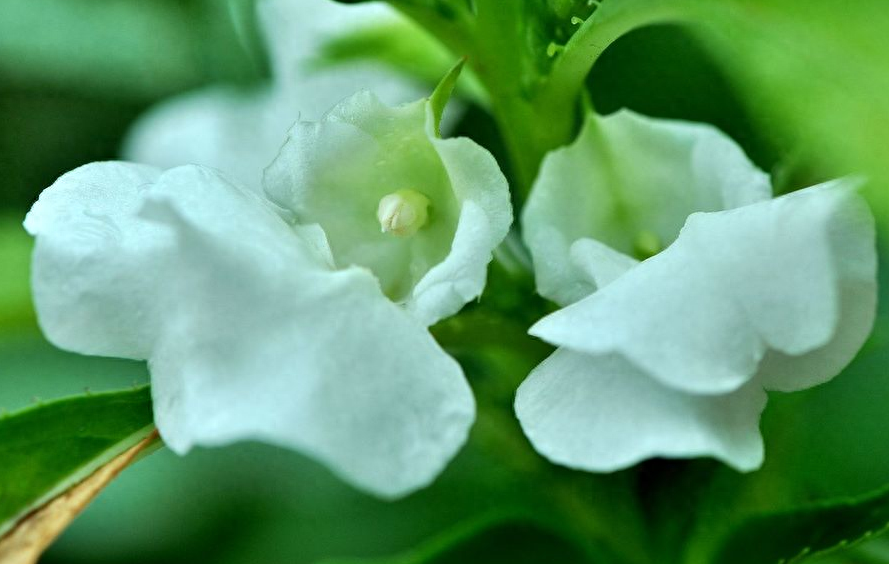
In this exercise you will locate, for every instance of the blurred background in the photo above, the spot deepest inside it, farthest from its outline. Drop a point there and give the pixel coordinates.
(75, 74)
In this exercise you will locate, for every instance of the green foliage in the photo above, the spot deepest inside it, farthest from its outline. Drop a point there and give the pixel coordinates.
(778, 537)
(490, 542)
(47, 448)
(121, 48)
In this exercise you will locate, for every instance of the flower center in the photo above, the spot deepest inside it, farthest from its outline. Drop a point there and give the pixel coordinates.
(403, 213)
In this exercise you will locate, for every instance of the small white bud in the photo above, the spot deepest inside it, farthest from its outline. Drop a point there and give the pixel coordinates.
(403, 213)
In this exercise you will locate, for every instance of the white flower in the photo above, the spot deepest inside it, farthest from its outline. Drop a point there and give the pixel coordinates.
(239, 132)
(253, 325)
(671, 356)
(387, 153)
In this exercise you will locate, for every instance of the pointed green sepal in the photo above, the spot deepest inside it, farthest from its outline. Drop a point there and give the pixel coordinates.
(442, 93)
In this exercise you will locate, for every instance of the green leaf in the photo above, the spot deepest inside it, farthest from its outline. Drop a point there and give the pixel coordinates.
(48, 448)
(874, 551)
(789, 537)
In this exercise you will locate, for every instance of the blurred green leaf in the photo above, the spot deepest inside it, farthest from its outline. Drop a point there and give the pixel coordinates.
(874, 551)
(48, 448)
(125, 49)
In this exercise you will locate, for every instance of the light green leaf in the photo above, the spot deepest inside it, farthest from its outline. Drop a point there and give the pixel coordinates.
(48, 448)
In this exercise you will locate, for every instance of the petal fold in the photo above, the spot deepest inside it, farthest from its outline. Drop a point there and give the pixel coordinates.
(601, 414)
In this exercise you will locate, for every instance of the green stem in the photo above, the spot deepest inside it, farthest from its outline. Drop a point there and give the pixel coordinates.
(607, 24)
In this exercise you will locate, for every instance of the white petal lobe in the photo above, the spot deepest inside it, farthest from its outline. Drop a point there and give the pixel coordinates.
(89, 270)
(601, 414)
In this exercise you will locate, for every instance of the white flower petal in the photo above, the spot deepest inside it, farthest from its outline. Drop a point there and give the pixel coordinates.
(232, 130)
(600, 413)
(701, 315)
(240, 132)
(89, 272)
(627, 175)
(667, 317)
(850, 235)
(264, 346)
(296, 29)
(601, 264)
(484, 222)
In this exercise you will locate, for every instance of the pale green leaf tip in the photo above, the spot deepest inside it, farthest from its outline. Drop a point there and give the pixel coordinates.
(442, 93)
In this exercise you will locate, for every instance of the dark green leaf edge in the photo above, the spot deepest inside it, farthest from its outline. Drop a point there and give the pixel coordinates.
(87, 469)
(829, 526)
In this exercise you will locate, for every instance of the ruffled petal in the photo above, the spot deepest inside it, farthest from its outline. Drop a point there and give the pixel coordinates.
(701, 315)
(628, 176)
(850, 234)
(600, 414)
(484, 221)
(264, 342)
(90, 270)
